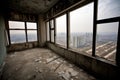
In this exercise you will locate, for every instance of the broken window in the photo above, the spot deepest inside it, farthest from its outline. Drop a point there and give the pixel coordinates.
(81, 28)
(61, 30)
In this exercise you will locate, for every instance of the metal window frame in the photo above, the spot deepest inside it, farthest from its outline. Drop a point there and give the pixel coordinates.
(102, 21)
(26, 34)
(95, 22)
(68, 30)
(51, 29)
(118, 46)
(67, 27)
(27, 40)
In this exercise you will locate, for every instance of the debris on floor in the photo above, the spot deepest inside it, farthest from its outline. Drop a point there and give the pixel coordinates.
(41, 64)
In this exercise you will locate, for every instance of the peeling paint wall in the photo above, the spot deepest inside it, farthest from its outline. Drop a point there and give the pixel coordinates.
(15, 16)
(2, 40)
(64, 5)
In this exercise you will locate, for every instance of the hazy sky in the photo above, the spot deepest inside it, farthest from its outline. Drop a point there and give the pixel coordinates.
(108, 8)
(61, 24)
(81, 20)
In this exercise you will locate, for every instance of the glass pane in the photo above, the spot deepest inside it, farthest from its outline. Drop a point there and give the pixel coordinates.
(81, 28)
(32, 35)
(31, 25)
(108, 8)
(61, 30)
(106, 40)
(16, 25)
(17, 36)
(48, 36)
(52, 23)
(52, 35)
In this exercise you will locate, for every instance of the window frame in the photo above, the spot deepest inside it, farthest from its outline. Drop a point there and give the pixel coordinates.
(51, 29)
(25, 29)
(30, 30)
(102, 21)
(67, 30)
(95, 22)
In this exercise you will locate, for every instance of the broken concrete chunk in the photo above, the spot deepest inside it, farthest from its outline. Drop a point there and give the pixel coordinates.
(52, 58)
(39, 71)
(64, 75)
(37, 60)
(72, 72)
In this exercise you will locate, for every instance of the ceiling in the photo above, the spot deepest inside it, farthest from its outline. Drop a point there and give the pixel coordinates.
(31, 6)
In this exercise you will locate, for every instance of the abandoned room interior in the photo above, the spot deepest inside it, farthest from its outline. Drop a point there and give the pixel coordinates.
(59, 39)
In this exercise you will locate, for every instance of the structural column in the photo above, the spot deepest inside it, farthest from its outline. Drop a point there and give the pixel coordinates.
(41, 31)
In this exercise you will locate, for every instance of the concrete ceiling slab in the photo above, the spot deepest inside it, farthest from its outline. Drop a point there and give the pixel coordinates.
(31, 6)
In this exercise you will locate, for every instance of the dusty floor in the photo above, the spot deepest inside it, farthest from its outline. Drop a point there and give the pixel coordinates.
(41, 64)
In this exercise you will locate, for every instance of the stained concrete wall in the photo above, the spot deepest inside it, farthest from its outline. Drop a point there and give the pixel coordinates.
(15, 16)
(65, 5)
(41, 35)
(22, 46)
(94, 65)
(41, 31)
(2, 40)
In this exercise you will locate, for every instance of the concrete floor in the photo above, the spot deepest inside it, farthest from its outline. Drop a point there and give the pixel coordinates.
(41, 64)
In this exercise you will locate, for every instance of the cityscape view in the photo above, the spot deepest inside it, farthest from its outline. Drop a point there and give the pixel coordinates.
(82, 42)
(20, 38)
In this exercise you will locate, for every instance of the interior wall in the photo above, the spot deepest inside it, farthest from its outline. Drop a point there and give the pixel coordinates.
(22, 46)
(2, 40)
(15, 16)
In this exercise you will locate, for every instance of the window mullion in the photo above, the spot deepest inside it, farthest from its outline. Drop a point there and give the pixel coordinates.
(26, 32)
(68, 29)
(94, 27)
(50, 30)
(118, 47)
(54, 30)
(8, 31)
